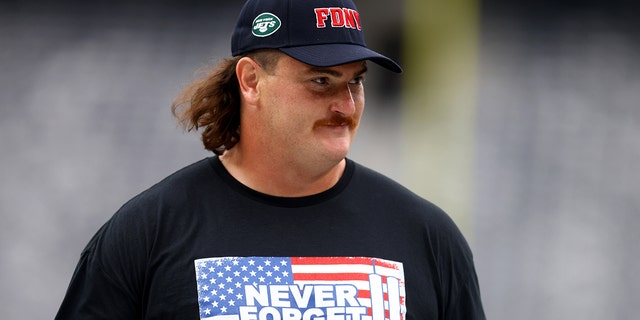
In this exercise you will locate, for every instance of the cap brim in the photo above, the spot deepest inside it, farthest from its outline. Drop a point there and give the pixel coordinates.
(328, 55)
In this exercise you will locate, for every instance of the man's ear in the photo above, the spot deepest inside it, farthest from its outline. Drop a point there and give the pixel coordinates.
(248, 72)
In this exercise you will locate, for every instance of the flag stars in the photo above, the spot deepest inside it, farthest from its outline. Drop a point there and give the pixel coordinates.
(221, 281)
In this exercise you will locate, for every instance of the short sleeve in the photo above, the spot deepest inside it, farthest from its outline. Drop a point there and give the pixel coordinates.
(467, 304)
(108, 280)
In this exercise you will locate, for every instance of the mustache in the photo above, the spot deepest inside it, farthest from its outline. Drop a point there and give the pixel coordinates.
(337, 120)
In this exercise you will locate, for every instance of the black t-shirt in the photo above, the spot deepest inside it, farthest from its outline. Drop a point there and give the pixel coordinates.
(201, 245)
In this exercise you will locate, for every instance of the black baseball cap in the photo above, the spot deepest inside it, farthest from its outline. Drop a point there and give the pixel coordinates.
(321, 33)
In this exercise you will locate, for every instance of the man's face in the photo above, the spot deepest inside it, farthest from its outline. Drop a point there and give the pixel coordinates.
(312, 113)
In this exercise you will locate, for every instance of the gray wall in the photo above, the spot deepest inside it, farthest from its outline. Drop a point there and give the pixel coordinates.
(558, 160)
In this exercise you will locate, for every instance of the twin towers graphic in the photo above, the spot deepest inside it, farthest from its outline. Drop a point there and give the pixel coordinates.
(376, 288)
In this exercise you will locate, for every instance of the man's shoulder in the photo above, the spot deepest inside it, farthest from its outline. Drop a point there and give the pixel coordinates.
(194, 173)
(179, 185)
(388, 194)
(375, 182)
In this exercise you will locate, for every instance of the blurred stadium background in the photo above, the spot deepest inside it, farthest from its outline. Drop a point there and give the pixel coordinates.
(521, 119)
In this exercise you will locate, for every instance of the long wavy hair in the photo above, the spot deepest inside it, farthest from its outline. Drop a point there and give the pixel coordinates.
(212, 103)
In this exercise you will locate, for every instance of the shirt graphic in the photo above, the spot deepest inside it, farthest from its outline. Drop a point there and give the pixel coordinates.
(300, 288)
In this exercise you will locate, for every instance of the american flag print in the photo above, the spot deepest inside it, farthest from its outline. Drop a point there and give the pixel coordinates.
(300, 288)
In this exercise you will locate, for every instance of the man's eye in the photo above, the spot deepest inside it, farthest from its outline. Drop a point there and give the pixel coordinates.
(321, 80)
(357, 80)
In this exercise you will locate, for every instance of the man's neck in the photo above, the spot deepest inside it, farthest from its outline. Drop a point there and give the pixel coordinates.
(278, 177)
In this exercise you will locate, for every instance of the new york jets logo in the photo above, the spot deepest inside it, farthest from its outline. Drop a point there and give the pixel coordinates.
(265, 24)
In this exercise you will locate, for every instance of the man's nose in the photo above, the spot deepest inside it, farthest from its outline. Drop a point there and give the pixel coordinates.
(345, 102)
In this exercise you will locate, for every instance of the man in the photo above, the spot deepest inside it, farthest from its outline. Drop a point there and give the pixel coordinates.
(279, 224)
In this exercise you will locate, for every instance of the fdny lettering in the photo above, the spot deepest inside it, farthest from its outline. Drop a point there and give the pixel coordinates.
(339, 17)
